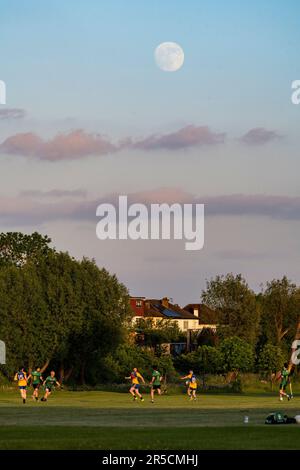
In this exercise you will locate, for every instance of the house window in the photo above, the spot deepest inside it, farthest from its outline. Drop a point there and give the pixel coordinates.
(185, 325)
(138, 303)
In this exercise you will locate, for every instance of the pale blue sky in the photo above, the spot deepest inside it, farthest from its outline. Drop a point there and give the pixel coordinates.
(89, 65)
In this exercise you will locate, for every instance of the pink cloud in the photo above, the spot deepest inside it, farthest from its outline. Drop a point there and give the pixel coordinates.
(74, 145)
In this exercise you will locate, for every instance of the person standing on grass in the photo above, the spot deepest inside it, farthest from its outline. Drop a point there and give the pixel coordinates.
(284, 380)
(49, 384)
(36, 381)
(191, 382)
(135, 378)
(155, 382)
(21, 377)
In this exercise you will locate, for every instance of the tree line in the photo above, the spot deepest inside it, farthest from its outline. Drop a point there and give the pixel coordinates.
(70, 315)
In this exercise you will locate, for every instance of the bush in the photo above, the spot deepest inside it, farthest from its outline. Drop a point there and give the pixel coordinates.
(238, 355)
(117, 366)
(270, 358)
(205, 360)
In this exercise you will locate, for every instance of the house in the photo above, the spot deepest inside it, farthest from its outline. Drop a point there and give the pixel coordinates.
(158, 309)
(207, 317)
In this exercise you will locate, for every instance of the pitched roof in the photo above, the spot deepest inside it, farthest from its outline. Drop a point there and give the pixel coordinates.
(156, 308)
(207, 316)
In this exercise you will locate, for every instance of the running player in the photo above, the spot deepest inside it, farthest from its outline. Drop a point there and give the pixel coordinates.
(135, 378)
(21, 377)
(36, 380)
(191, 382)
(155, 382)
(49, 384)
(284, 380)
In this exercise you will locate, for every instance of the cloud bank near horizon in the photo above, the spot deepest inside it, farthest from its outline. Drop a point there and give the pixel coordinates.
(76, 206)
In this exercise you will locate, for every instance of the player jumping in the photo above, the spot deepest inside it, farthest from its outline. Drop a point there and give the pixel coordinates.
(49, 384)
(21, 377)
(155, 382)
(135, 378)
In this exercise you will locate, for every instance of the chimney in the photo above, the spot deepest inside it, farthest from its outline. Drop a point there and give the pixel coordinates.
(196, 312)
(165, 302)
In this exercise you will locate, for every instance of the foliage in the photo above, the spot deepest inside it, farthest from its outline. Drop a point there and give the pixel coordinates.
(207, 337)
(60, 311)
(270, 358)
(205, 360)
(238, 355)
(157, 332)
(119, 364)
(18, 248)
(236, 306)
(280, 310)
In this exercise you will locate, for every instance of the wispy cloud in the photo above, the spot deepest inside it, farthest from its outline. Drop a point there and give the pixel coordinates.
(20, 210)
(74, 145)
(54, 194)
(80, 144)
(259, 136)
(12, 113)
(189, 136)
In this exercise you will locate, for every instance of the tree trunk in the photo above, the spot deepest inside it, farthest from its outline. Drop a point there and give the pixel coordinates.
(45, 366)
(30, 366)
(82, 374)
(68, 374)
(61, 373)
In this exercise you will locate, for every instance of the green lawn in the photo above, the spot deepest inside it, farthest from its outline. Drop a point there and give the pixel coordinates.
(103, 420)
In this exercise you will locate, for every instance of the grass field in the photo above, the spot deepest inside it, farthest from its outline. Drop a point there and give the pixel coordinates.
(103, 420)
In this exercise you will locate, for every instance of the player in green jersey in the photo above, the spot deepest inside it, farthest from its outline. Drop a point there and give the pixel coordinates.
(36, 381)
(49, 385)
(155, 382)
(284, 380)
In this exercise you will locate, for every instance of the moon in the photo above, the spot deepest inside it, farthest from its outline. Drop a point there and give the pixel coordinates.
(169, 56)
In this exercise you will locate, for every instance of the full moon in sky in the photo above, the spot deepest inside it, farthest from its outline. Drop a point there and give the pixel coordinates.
(169, 56)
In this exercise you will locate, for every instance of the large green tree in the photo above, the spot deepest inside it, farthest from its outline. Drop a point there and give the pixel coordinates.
(238, 312)
(58, 311)
(280, 302)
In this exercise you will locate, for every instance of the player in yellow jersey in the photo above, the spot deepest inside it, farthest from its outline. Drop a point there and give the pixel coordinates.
(135, 378)
(21, 377)
(192, 385)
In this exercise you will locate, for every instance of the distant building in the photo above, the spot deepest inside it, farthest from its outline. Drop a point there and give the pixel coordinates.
(207, 317)
(158, 309)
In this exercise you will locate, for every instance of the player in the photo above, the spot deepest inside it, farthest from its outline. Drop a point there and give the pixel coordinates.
(36, 380)
(284, 380)
(155, 382)
(191, 382)
(21, 377)
(135, 378)
(49, 384)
